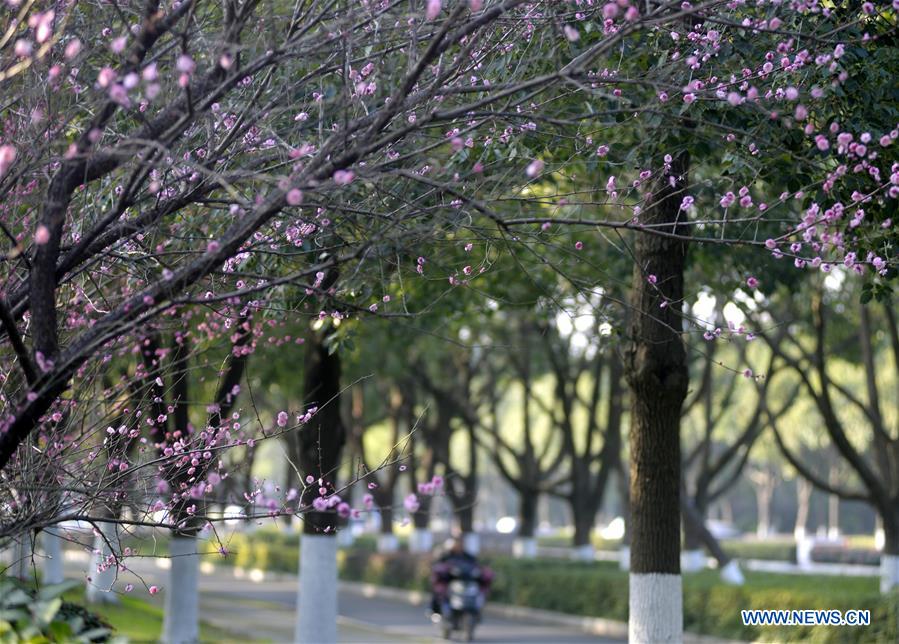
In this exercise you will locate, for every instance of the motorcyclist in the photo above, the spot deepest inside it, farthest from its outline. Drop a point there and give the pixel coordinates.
(444, 569)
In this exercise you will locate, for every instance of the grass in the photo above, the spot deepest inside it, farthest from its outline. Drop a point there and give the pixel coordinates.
(140, 621)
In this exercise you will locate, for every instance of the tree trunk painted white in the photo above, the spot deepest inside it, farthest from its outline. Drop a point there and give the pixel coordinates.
(51, 565)
(880, 538)
(656, 608)
(100, 581)
(317, 606)
(471, 541)
(833, 508)
(181, 621)
(692, 560)
(731, 574)
(804, 552)
(524, 548)
(387, 542)
(21, 553)
(889, 572)
(421, 540)
(583, 553)
(624, 558)
(345, 538)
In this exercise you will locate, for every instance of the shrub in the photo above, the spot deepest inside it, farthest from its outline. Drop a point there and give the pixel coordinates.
(28, 615)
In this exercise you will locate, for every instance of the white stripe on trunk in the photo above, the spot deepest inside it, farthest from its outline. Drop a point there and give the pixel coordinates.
(387, 542)
(656, 609)
(624, 558)
(317, 606)
(524, 548)
(51, 566)
(421, 540)
(585, 552)
(182, 595)
(731, 574)
(889, 572)
(20, 566)
(471, 541)
(100, 584)
(692, 560)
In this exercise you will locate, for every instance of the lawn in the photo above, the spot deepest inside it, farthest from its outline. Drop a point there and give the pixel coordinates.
(141, 621)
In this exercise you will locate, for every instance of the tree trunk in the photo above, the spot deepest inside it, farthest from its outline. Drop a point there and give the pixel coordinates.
(21, 552)
(763, 495)
(525, 546)
(694, 521)
(584, 515)
(656, 369)
(387, 541)
(803, 501)
(52, 569)
(833, 516)
(317, 606)
(693, 558)
(181, 622)
(889, 558)
(103, 569)
(320, 443)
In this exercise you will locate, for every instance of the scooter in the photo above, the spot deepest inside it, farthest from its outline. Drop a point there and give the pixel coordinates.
(461, 609)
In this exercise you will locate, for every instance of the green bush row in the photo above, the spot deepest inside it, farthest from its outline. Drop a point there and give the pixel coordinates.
(601, 590)
(710, 607)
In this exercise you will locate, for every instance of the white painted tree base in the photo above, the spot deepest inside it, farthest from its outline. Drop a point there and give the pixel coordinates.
(731, 574)
(421, 540)
(692, 560)
(524, 548)
(21, 555)
(804, 552)
(624, 558)
(388, 543)
(51, 563)
(98, 590)
(181, 620)
(317, 605)
(656, 609)
(583, 553)
(889, 572)
(471, 541)
(345, 538)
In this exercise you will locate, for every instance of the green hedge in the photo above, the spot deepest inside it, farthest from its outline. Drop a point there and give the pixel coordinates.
(710, 607)
(601, 590)
(774, 549)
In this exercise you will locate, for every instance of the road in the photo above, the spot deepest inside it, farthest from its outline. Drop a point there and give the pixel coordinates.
(257, 609)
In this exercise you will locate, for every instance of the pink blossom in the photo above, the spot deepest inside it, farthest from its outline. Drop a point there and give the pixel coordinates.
(571, 33)
(154, 590)
(534, 168)
(73, 48)
(41, 235)
(752, 282)
(579, 245)
(475, 5)
(433, 9)
(411, 503)
(282, 419)
(7, 158)
(344, 177)
(294, 197)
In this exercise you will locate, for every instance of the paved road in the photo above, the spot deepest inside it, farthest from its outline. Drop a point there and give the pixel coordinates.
(264, 610)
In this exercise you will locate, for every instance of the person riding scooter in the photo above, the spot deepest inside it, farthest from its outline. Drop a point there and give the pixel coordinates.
(457, 568)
